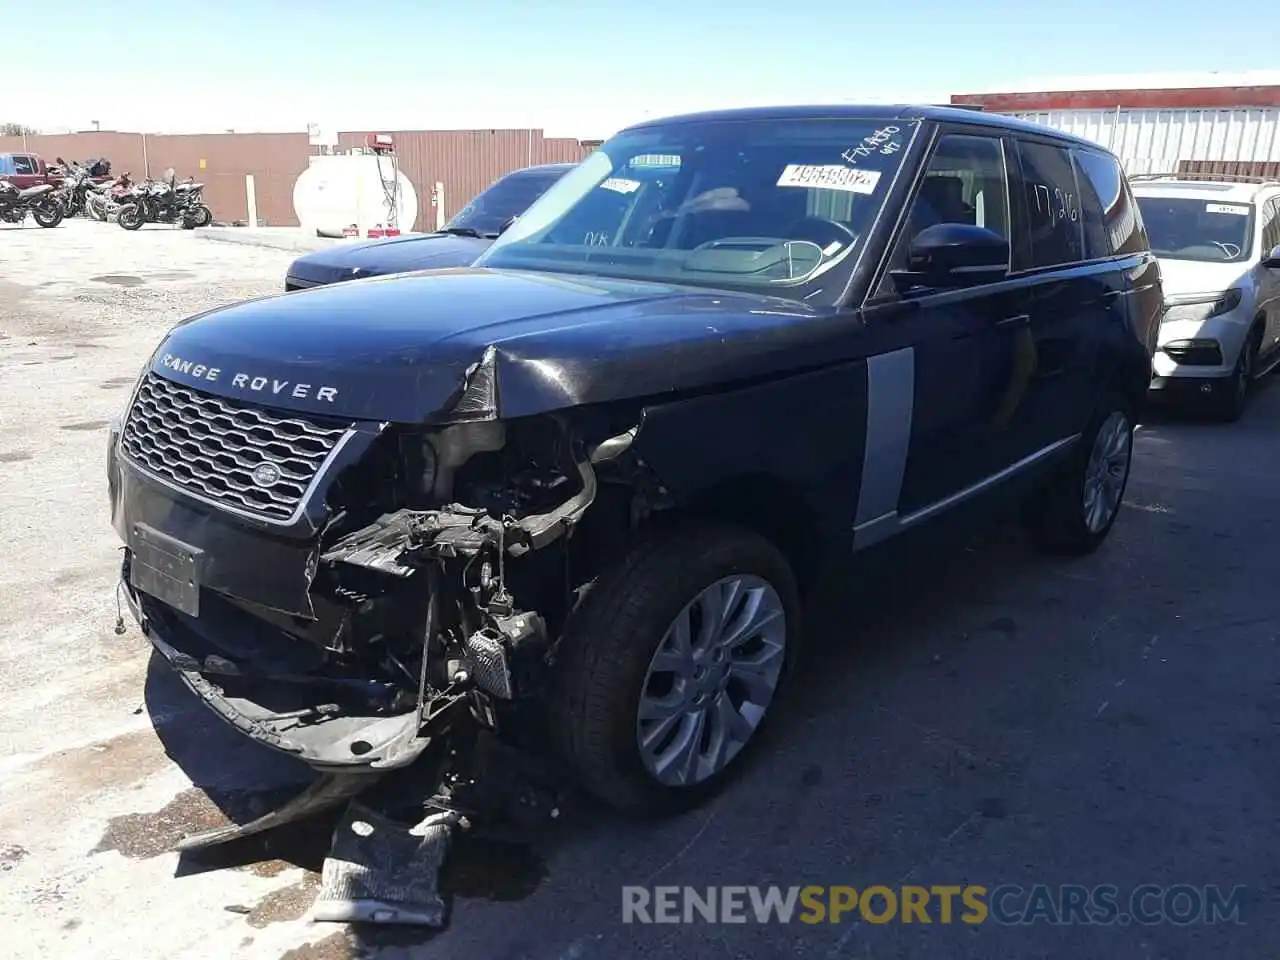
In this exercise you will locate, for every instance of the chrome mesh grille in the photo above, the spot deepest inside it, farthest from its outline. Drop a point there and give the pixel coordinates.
(210, 446)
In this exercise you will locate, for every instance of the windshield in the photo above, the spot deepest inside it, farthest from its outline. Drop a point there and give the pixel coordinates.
(509, 197)
(1181, 228)
(740, 204)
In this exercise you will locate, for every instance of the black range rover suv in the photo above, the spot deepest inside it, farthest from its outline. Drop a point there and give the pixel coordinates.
(573, 494)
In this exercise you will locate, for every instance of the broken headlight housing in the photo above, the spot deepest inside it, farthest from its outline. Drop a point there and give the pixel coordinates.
(450, 447)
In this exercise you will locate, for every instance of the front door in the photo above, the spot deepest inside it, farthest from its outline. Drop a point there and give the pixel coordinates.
(944, 393)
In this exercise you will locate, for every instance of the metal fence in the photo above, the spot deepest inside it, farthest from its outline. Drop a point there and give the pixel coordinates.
(1157, 141)
(465, 161)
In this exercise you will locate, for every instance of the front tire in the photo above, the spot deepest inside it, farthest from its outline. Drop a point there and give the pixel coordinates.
(1232, 401)
(47, 215)
(1076, 510)
(668, 669)
(204, 216)
(130, 217)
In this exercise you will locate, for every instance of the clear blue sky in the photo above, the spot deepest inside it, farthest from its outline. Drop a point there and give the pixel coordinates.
(572, 66)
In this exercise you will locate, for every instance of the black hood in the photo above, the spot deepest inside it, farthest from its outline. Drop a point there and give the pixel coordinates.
(405, 348)
(374, 258)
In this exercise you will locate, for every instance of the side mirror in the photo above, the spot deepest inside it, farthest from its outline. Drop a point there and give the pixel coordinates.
(1272, 260)
(954, 255)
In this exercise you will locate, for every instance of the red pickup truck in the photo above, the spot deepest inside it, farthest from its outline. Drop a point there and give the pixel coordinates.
(23, 169)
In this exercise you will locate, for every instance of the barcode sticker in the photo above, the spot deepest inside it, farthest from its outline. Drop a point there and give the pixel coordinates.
(829, 177)
(1226, 208)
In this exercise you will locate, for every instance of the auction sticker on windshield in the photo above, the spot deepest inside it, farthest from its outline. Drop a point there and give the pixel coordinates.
(620, 185)
(829, 177)
(1226, 208)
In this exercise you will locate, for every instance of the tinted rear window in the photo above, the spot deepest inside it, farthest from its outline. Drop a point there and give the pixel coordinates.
(1052, 205)
(1111, 222)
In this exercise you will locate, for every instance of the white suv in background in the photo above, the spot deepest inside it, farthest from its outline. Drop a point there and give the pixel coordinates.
(1218, 242)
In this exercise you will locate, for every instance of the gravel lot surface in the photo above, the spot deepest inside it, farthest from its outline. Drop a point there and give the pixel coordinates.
(988, 717)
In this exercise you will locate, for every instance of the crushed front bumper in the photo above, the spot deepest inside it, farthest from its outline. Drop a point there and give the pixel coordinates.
(191, 574)
(331, 724)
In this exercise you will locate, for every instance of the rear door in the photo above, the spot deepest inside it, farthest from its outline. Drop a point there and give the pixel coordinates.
(1077, 289)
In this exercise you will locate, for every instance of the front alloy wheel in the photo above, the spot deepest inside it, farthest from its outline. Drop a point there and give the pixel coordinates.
(711, 680)
(1233, 399)
(668, 669)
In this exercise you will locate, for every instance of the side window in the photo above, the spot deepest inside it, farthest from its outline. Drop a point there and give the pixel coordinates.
(1101, 180)
(965, 182)
(1053, 205)
(1270, 225)
(24, 165)
(1094, 201)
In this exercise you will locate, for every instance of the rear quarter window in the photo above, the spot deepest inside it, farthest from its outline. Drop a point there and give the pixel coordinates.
(1112, 224)
(1052, 202)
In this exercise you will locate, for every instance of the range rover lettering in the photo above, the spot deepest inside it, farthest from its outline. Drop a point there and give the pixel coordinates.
(573, 496)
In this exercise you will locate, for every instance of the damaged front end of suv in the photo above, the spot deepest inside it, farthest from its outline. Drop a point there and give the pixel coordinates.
(345, 591)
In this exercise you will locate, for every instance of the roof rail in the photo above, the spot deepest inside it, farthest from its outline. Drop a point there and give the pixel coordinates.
(1203, 175)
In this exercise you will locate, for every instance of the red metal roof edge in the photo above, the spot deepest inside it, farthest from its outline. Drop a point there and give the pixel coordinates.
(1181, 98)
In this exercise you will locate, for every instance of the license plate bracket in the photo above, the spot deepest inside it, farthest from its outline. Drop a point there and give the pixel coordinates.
(165, 568)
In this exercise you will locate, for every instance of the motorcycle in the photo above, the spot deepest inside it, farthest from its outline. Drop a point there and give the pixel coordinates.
(104, 200)
(191, 195)
(166, 201)
(71, 194)
(38, 201)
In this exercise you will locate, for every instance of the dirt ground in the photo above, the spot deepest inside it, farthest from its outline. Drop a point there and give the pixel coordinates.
(90, 799)
(992, 718)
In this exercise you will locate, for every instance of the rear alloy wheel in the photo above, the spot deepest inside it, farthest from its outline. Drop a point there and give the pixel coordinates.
(1235, 395)
(670, 666)
(1074, 513)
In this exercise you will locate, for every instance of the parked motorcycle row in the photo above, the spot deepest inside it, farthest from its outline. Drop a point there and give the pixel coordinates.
(123, 200)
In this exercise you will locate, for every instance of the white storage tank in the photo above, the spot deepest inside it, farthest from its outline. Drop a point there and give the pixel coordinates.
(338, 191)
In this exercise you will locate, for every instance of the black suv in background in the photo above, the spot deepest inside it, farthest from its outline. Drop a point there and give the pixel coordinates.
(572, 496)
(463, 238)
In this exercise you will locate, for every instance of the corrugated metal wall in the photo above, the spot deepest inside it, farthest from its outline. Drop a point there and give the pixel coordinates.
(466, 161)
(124, 150)
(1157, 141)
(275, 159)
